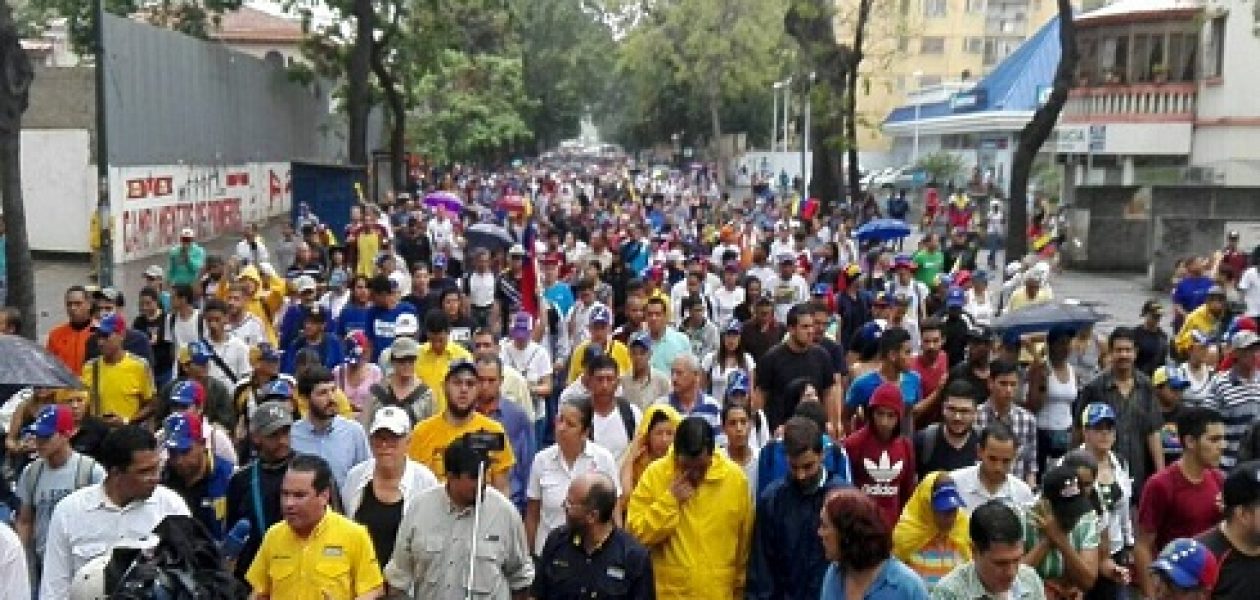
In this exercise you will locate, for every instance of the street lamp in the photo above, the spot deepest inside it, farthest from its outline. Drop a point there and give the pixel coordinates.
(774, 117)
(914, 151)
(805, 137)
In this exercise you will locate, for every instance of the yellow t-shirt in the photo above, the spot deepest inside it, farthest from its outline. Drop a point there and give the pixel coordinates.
(343, 404)
(125, 387)
(431, 437)
(337, 561)
(431, 368)
(367, 245)
(615, 349)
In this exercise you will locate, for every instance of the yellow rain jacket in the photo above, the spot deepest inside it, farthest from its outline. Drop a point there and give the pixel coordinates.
(917, 525)
(266, 303)
(643, 459)
(1199, 320)
(699, 548)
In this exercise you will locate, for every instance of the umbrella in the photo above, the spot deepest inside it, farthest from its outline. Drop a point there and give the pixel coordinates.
(512, 203)
(487, 235)
(25, 363)
(882, 230)
(446, 200)
(1044, 316)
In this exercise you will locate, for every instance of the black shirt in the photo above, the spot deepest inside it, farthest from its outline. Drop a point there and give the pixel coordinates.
(87, 440)
(619, 568)
(159, 340)
(1152, 349)
(780, 367)
(964, 372)
(954, 330)
(943, 457)
(241, 505)
(381, 520)
(1240, 574)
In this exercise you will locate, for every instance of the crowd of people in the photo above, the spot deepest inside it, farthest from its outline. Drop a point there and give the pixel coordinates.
(640, 389)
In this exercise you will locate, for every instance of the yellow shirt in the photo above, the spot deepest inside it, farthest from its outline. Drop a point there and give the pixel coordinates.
(431, 437)
(367, 246)
(431, 368)
(125, 387)
(616, 350)
(343, 404)
(336, 561)
(1020, 299)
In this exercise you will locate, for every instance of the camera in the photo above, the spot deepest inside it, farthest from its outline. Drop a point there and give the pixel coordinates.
(485, 442)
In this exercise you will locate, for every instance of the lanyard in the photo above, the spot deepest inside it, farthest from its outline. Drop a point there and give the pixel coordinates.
(256, 495)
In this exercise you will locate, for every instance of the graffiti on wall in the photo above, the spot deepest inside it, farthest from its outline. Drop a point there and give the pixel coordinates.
(159, 202)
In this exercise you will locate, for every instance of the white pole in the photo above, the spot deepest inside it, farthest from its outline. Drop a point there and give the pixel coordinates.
(787, 97)
(472, 551)
(805, 165)
(774, 120)
(914, 152)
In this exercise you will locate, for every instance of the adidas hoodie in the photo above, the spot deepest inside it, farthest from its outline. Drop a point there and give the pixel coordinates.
(884, 470)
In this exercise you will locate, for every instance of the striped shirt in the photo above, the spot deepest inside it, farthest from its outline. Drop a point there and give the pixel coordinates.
(1024, 425)
(1238, 401)
(705, 407)
(935, 560)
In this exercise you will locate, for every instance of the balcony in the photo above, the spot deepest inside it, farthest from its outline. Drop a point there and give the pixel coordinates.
(1139, 103)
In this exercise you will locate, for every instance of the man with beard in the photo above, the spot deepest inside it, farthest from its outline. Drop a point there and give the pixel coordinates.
(197, 475)
(1236, 540)
(787, 559)
(590, 556)
(254, 491)
(431, 438)
(325, 433)
(127, 505)
(952, 443)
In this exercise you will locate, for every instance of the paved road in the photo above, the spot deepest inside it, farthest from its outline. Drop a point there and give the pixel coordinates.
(1119, 295)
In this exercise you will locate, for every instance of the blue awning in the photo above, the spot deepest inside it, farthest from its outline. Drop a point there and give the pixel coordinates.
(1016, 84)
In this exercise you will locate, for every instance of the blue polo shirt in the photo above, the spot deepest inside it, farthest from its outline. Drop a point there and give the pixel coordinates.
(206, 499)
(895, 581)
(706, 408)
(343, 444)
(860, 392)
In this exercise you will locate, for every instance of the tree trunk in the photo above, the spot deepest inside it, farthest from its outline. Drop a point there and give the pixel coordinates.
(15, 84)
(1035, 134)
(715, 115)
(397, 111)
(810, 23)
(850, 118)
(358, 101)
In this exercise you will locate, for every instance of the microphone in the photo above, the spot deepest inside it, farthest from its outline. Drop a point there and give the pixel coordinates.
(236, 539)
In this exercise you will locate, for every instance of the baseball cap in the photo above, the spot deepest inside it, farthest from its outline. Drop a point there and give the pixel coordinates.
(1173, 376)
(516, 250)
(195, 352)
(522, 323)
(390, 418)
(406, 324)
(1217, 291)
(1062, 487)
(305, 283)
(51, 420)
(461, 364)
(187, 233)
(154, 272)
(737, 383)
(264, 351)
(1242, 484)
(1096, 413)
(1151, 307)
(110, 324)
(640, 339)
(270, 417)
(404, 348)
(821, 289)
(1187, 564)
(188, 393)
(1244, 339)
(182, 431)
(600, 315)
(785, 257)
(980, 333)
(733, 326)
(903, 261)
(277, 388)
(946, 498)
(955, 298)
(439, 261)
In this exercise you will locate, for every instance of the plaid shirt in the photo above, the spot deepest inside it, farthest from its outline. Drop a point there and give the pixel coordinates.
(1024, 424)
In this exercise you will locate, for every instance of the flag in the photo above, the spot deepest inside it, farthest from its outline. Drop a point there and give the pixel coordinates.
(529, 274)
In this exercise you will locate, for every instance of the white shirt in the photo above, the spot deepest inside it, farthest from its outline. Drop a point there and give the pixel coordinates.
(13, 570)
(481, 289)
(533, 361)
(416, 478)
(549, 480)
(610, 430)
(724, 303)
(185, 331)
(250, 331)
(248, 254)
(441, 234)
(1014, 492)
(235, 355)
(86, 524)
(1249, 285)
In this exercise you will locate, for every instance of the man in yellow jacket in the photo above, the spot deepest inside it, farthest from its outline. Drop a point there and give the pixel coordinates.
(1205, 319)
(693, 511)
(265, 297)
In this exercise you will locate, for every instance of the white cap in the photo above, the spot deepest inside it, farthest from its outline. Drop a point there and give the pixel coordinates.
(267, 269)
(406, 324)
(392, 418)
(187, 233)
(305, 282)
(154, 272)
(1013, 267)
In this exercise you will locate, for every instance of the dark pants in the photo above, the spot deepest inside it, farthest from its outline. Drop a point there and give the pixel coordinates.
(1051, 444)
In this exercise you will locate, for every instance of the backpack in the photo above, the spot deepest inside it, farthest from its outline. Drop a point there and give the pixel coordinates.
(627, 419)
(931, 433)
(82, 476)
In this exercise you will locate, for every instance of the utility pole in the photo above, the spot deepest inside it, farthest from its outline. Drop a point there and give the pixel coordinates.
(105, 254)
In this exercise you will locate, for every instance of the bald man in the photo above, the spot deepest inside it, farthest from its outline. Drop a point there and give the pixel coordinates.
(590, 556)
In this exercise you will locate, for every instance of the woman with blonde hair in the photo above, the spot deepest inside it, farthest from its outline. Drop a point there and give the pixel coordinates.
(652, 440)
(931, 536)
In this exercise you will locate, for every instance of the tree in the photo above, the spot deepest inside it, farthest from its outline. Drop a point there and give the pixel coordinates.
(1035, 133)
(941, 167)
(856, 55)
(16, 75)
(197, 19)
(811, 24)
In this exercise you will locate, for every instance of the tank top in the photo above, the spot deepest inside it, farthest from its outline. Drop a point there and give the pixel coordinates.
(381, 520)
(1056, 412)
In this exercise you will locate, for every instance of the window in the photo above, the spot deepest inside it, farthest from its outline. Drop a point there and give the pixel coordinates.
(903, 44)
(1215, 66)
(932, 45)
(928, 81)
(973, 45)
(934, 8)
(974, 6)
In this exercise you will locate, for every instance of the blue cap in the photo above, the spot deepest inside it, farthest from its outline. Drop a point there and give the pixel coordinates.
(870, 332)
(183, 430)
(640, 339)
(439, 261)
(1188, 564)
(733, 326)
(600, 315)
(1173, 377)
(110, 324)
(822, 289)
(955, 298)
(200, 353)
(188, 393)
(1098, 412)
(51, 420)
(737, 383)
(265, 351)
(946, 498)
(276, 388)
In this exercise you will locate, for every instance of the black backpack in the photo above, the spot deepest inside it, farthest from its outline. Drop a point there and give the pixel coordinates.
(186, 565)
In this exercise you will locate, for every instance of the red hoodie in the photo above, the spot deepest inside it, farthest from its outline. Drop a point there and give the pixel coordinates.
(884, 470)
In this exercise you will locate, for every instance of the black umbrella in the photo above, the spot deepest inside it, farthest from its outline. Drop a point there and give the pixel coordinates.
(23, 362)
(487, 235)
(1045, 316)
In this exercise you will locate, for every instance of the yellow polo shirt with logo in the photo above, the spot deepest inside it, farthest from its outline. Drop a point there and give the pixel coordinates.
(122, 388)
(431, 368)
(430, 438)
(615, 349)
(337, 561)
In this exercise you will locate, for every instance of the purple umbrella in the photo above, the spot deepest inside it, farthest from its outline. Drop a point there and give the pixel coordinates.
(446, 200)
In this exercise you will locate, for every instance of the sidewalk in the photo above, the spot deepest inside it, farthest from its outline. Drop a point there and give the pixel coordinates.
(53, 276)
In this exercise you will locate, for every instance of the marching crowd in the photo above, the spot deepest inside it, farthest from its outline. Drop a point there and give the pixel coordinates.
(639, 388)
